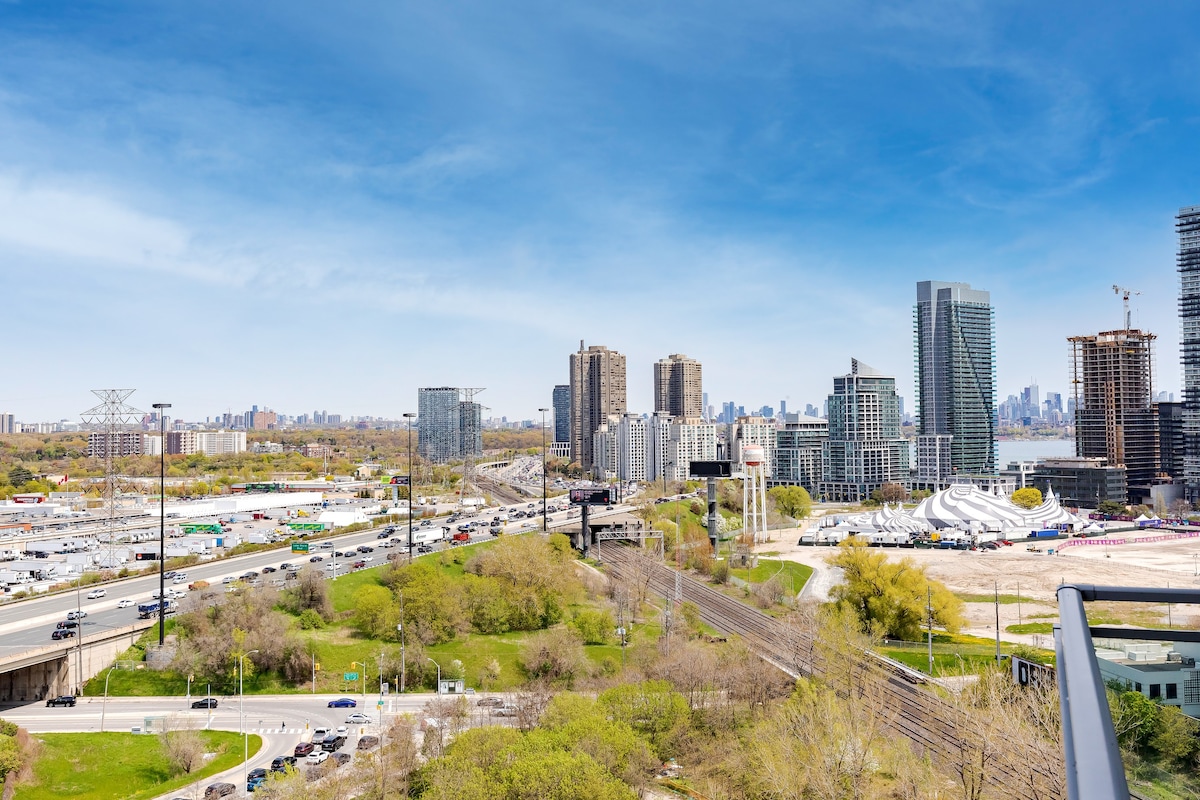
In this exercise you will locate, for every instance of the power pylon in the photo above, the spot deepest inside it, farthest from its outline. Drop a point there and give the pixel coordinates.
(112, 417)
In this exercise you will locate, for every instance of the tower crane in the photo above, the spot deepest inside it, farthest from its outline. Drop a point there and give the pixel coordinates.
(1125, 294)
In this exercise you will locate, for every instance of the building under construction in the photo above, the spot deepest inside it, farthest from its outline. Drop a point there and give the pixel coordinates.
(1114, 419)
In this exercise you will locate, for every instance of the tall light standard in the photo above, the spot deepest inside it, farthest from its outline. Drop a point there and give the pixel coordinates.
(242, 707)
(439, 669)
(162, 522)
(410, 417)
(104, 705)
(364, 677)
(543, 410)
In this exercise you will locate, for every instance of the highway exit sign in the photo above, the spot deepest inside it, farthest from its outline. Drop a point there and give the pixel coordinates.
(350, 676)
(299, 547)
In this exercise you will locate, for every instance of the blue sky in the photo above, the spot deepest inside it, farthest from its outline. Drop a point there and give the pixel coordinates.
(312, 205)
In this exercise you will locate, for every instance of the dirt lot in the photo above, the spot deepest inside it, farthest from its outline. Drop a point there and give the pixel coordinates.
(1034, 575)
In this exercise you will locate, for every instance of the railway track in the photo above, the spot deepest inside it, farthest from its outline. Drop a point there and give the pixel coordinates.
(917, 713)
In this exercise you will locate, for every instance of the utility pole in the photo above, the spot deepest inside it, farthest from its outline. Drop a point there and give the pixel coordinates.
(929, 611)
(996, 588)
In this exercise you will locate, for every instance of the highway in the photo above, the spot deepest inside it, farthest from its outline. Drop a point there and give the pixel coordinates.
(26, 624)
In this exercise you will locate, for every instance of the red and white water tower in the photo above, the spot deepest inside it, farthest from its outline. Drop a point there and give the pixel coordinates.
(754, 493)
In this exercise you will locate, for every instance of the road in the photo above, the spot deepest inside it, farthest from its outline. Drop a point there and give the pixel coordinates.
(283, 721)
(28, 623)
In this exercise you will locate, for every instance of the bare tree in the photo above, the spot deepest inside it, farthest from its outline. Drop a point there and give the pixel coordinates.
(531, 702)
(182, 744)
(445, 718)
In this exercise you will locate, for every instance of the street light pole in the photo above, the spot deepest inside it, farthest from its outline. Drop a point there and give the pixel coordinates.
(543, 410)
(410, 417)
(162, 522)
(439, 669)
(403, 655)
(104, 705)
(364, 677)
(242, 707)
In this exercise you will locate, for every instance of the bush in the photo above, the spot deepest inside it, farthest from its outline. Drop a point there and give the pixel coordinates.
(720, 572)
(311, 620)
(595, 627)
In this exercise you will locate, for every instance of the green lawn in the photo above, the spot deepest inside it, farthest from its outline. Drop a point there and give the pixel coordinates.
(1005, 599)
(1031, 627)
(952, 654)
(111, 766)
(794, 575)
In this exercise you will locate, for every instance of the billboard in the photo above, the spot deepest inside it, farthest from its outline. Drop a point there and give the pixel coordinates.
(711, 469)
(396, 480)
(591, 497)
(1030, 673)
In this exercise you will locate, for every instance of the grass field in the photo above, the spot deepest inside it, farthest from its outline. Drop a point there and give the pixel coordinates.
(113, 766)
(793, 574)
(952, 654)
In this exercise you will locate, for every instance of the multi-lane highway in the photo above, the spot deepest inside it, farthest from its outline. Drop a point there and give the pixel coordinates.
(29, 623)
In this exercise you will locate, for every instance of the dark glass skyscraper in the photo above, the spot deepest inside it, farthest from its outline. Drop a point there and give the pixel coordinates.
(956, 381)
(562, 413)
(1187, 261)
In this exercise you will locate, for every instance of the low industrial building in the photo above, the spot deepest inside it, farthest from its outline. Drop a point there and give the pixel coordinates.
(1162, 671)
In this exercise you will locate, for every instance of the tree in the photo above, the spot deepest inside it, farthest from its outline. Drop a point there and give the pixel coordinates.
(594, 627)
(889, 597)
(184, 749)
(18, 476)
(1111, 507)
(312, 591)
(792, 501)
(893, 493)
(1029, 497)
(556, 655)
(375, 613)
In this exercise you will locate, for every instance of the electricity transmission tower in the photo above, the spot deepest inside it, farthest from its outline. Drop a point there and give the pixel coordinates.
(112, 419)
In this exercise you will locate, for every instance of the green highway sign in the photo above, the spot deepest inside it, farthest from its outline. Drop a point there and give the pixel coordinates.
(350, 676)
(299, 547)
(306, 526)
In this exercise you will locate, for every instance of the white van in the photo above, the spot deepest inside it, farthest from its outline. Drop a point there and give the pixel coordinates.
(96, 594)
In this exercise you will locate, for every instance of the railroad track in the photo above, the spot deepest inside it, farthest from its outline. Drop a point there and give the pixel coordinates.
(917, 713)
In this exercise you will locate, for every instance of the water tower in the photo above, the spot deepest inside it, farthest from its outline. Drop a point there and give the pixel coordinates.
(754, 493)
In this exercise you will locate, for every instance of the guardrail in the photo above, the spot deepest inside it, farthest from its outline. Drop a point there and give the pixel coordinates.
(1093, 760)
(65, 646)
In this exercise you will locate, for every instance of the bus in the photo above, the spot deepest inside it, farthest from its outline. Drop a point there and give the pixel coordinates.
(148, 610)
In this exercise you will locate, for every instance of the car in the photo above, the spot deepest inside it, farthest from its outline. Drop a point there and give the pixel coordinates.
(76, 614)
(368, 559)
(254, 784)
(62, 700)
(383, 535)
(247, 525)
(320, 733)
(96, 594)
(249, 576)
(504, 711)
(303, 749)
(125, 603)
(333, 741)
(215, 790)
(70, 623)
(268, 570)
(316, 559)
(283, 763)
(317, 757)
(340, 758)
(257, 772)
(343, 702)
(207, 702)
(362, 548)
(62, 633)
(169, 573)
(492, 702)
(358, 718)
(285, 566)
(608, 508)
(358, 564)
(179, 579)
(367, 742)
(342, 730)
(228, 579)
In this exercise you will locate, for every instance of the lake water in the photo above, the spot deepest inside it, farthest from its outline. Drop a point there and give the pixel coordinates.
(1021, 450)
(1025, 450)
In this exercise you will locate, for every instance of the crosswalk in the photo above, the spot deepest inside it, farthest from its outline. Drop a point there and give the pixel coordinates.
(275, 730)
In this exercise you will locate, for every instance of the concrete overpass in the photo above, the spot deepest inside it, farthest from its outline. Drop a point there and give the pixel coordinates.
(64, 666)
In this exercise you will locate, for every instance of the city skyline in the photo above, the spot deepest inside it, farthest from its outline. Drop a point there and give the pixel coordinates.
(220, 208)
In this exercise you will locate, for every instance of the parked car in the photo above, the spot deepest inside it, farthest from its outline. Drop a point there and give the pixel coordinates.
(343, 702)
(96, 594)
(62, 700)
(208, 702)
(215, 790)
(317, 757)
(303, 749)
(367, 742)
(358, 718)
(125, 603)
(283, 763)
(340, 758)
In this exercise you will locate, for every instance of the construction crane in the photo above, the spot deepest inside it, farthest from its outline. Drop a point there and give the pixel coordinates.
(1125, 293)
